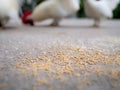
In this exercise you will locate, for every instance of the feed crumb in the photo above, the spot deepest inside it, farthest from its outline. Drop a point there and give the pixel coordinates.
(62, 61)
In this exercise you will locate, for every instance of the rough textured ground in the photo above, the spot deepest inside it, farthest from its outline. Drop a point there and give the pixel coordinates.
(74, 56)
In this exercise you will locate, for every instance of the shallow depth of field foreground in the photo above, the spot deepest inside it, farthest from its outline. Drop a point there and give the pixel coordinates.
(73, 56)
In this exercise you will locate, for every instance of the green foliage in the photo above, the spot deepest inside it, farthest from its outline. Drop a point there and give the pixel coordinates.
(81, 13)
(117, 12)
(39, 1)
(26, 7)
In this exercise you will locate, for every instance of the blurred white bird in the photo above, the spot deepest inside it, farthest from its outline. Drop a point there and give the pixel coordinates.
(55, 9)
(100, 9)
(9, 9)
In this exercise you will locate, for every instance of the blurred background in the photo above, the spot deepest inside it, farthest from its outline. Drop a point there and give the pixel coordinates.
(80, 13)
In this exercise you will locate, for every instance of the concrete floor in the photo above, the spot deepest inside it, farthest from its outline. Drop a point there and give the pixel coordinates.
(17, 41)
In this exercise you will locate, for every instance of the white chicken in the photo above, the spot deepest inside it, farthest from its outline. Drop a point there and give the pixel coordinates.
(99, 9)
(9, 9)
(55, 9)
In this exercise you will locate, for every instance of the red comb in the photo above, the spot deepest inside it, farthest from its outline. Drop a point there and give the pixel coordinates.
(27, 12)
(24, 18)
